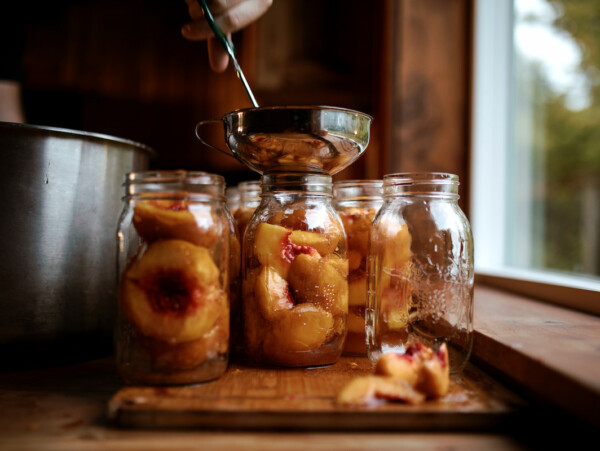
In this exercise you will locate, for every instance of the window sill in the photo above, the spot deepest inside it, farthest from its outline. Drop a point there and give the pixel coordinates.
(550, 352)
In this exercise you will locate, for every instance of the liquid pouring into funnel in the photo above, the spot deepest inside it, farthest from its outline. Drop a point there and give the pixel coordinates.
(229, 48)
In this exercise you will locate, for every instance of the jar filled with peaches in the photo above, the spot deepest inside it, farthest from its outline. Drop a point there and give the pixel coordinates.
(295, 270)
(249, 199)
(177, 249)
(357, 202)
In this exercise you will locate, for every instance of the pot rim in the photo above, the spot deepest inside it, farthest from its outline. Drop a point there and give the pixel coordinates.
(81, 134)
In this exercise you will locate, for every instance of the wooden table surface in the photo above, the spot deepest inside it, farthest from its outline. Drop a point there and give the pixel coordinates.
(67, 408)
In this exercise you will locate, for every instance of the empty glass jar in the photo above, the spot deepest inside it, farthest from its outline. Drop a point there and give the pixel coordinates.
(357, 202)
(421, 268)
(176, 243)
(294, 266)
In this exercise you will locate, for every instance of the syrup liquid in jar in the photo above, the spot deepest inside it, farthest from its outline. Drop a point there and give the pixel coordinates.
(294, 266)
(176, 243)
(420, 269)
(357, 202)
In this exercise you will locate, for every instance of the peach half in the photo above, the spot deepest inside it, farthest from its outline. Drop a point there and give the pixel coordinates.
(189, 354)
(156, 219)
(305, 327)
(172, 292)
(314, 280)
(273, 247)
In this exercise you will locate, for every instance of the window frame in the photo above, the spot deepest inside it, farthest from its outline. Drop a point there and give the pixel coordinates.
(490, 137)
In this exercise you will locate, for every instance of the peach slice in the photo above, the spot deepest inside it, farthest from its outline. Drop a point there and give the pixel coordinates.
(157, 219)
(424, 369)
(273, 247)
(355, 322)
(172, 292)
(357, 291)
(355, 259)
(436, 373)
(314, 280)
(272, 293)
(303, 328)
(339, 263)
(370, 390)
(242, 218)
(189, 354)
(357, 223)
(312, 239)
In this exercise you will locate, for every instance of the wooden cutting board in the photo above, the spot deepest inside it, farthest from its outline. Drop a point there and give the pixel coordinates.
(248, 396)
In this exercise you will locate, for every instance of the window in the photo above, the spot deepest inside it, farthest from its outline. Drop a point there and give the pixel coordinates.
(536, 143)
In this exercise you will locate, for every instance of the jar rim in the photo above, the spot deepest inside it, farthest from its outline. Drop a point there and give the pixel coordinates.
(358, 190)
(173, 176)
(406, 178)
(358, 182)
(193, 185)
(423, 184)
(318, 184)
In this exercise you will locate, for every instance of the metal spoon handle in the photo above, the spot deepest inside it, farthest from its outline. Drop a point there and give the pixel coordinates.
(229, 48)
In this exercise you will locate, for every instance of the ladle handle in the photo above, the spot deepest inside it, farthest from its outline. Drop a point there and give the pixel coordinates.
(197, 131)
(228, 46)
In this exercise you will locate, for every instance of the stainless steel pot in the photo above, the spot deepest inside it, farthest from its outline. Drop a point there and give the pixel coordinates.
(61, 198)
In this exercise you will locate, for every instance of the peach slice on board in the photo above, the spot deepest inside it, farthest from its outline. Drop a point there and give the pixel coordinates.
(435, 379)
(172, 292)
(316, 281)
(424, 369)
(370, 390)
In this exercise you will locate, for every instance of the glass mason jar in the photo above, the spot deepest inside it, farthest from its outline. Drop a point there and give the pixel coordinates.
(357, 202)
(421, 268)
(294, 266)
(249, 199)
(176, 242)
(233, 198)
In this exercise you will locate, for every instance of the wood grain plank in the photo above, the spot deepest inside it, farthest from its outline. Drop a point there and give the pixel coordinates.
(550, 352)
(251, 397)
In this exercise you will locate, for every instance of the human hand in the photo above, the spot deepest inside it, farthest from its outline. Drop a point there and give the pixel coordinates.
(230, 16)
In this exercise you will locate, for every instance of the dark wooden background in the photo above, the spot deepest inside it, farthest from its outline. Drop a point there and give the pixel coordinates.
(122, 68)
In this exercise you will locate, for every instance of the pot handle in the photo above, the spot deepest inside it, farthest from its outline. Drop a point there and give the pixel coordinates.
(198, 135)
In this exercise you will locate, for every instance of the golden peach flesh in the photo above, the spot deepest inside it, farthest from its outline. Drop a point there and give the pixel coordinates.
(172, 291)
(316, 281)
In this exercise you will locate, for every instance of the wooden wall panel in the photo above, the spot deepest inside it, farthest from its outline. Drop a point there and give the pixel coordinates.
(431, 73)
